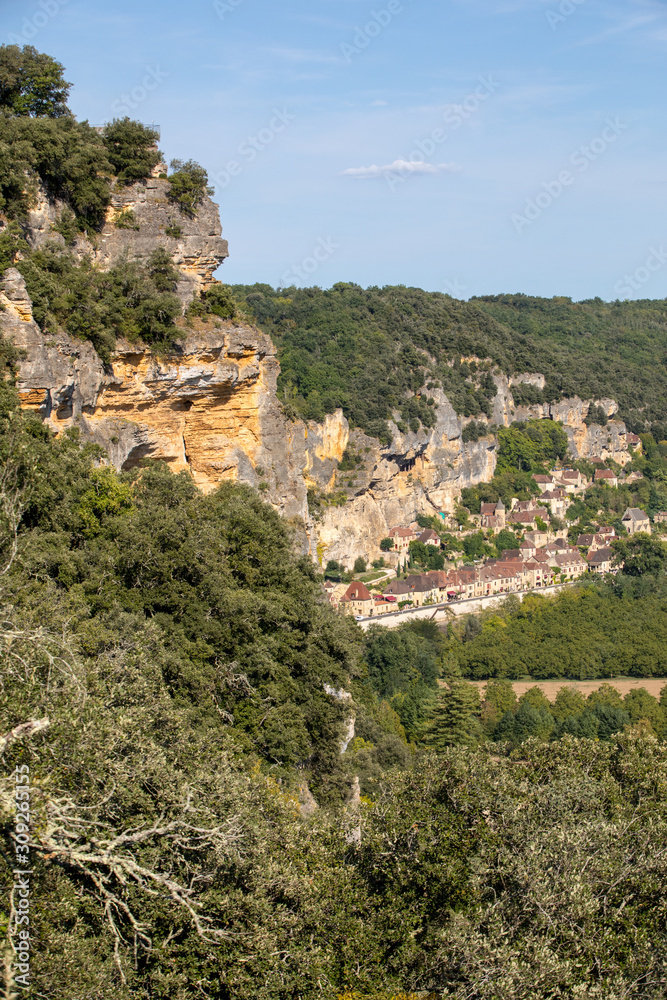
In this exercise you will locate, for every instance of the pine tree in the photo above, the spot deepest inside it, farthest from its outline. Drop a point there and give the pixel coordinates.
(455, 718)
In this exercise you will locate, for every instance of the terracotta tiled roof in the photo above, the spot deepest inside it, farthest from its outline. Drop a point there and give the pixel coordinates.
(357, 591)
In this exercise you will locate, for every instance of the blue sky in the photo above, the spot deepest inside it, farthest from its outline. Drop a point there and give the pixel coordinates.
(467, 146)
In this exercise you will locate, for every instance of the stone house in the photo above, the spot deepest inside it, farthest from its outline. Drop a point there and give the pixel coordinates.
(557, 501)
(382, 606)
(538, 538)
(417, 588)
(544, 482)
(430, 537)
(600, 561)
(524, 519)
(606, 531)
(493, 515)
(571, 480)
(527, 549)
(423, 588)
(592, 542)
(635, 520)
(401, 537)
(605, 477)
(661, 517)
(398, 589)
(465, 582)
(357, 600)
(537, 573)
(335, 592)
(571, 563)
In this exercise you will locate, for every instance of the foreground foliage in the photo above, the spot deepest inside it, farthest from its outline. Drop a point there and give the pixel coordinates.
(170, 654)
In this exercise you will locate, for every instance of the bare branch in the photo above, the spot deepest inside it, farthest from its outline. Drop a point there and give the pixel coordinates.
(25, 729)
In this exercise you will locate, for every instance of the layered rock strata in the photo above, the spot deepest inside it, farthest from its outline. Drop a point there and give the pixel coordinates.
(197, 251)
(211, 408)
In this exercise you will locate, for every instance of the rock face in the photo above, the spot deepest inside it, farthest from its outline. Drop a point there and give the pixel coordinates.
(585, 442)
(211, 408)
(198, 251)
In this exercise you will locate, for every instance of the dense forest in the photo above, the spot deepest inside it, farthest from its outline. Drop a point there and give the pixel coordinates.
(365, 349)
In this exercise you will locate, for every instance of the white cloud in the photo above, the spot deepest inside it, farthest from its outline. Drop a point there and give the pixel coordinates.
(379, 104)
(401, 167)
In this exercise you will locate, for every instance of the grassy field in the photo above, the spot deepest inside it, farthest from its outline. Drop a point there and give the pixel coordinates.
(653, 685)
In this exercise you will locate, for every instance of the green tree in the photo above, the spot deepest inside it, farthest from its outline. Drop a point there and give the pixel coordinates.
(499, 697)
(216, 300)
(32, 83)
(640, 554)
(642, 706)
(359, 565)
(403, 669)
(475, 546)
(610, 719)
(188, 186)
(528, 721)
(606, 694)
(536, 697)
(506, 539)
(569, 701)
(131, 149)
(455, 718)
(66, 158)
(386, 544)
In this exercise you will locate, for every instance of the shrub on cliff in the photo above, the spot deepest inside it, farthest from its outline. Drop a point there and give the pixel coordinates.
(65, 157)
(188, 186)
(131, 299)
(131, 149)
(596, 415)
(474, 430)
(214, 301)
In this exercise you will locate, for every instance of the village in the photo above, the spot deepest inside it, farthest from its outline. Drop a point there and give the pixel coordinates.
(544, 556)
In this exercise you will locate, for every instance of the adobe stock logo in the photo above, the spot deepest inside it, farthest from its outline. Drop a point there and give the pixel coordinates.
(552, 190)
(657, 258)
(32, 25)
(128, 102)
(380, 19)
(222, 7)
(564, 10)
(252, 146)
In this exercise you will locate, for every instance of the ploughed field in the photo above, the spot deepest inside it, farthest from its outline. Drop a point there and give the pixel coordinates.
(623, 685)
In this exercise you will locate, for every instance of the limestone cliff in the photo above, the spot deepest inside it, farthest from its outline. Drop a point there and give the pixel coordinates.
(197, 252)
(210, 406)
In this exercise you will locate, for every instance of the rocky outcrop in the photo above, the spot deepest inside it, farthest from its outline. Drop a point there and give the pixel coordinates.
(198, 251)
(608, 442)
(210, 406)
